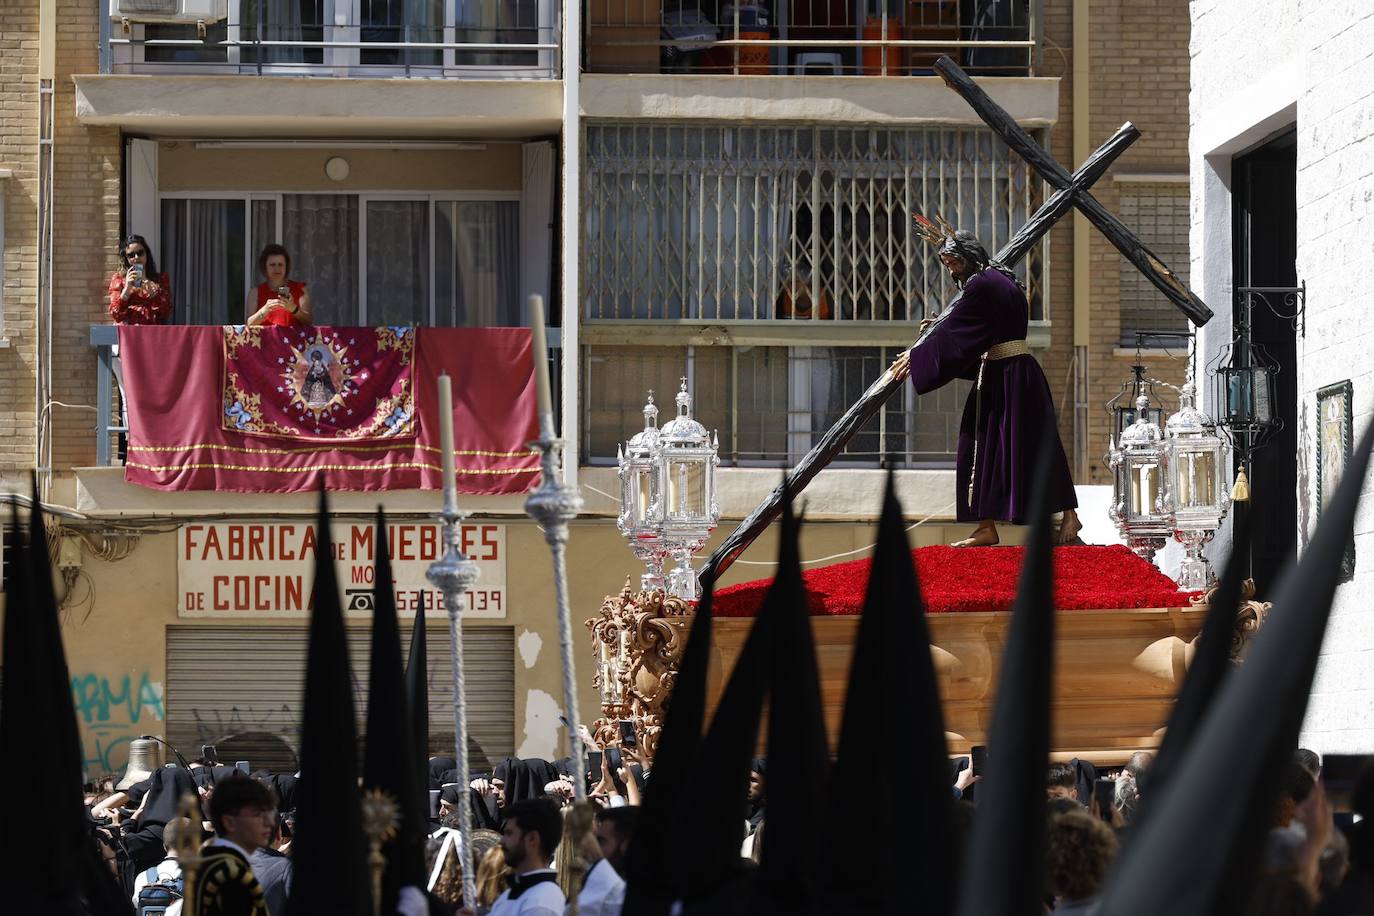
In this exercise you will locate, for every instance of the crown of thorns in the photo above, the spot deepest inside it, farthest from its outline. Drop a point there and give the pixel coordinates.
(937, 233)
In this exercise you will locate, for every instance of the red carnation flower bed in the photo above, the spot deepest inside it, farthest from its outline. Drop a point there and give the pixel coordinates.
(964, 579)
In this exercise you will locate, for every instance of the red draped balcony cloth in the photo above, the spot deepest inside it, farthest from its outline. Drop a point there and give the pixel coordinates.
(367, 419)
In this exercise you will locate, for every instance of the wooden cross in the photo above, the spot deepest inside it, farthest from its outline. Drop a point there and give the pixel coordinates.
(1070, 192)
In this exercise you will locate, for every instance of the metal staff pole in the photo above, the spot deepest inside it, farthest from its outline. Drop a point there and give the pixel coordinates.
(553, 505)
(454, 574)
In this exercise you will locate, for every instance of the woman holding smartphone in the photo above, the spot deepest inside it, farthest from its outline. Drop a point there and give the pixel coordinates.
(278, 300)
(138, 293)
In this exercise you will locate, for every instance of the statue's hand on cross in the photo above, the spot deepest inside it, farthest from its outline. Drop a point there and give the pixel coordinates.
(901, 366)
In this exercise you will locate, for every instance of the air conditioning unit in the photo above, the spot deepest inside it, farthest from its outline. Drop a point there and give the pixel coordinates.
(201, 11)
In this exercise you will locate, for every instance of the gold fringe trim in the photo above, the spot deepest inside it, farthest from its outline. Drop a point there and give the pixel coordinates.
(403, 465)
(479, 453)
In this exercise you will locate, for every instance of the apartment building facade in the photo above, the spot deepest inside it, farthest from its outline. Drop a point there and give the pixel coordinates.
(719, 194)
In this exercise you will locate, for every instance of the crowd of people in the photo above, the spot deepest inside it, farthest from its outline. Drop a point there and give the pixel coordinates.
(534, 850)
(528, 831)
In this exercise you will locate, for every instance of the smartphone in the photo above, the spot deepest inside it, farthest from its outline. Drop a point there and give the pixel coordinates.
(614, 762)
(434, 802)
(594, 767)
(566, 723)
(1339, 774)
(638, 773)
(627, 733)
(241, 766)
(1104, 790)
(978, 759)
(208, 753)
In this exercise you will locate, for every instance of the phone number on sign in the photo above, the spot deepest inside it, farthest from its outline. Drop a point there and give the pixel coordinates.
(482, 600)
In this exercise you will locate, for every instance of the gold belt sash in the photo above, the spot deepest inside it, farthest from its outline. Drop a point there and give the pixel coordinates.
(1004, 350)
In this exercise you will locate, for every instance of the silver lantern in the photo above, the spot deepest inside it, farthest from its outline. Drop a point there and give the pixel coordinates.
(641, 498)
(687, 465)
(1137, 499)
(1195, 496)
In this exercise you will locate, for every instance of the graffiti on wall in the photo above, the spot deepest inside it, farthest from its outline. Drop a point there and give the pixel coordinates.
(113, 711)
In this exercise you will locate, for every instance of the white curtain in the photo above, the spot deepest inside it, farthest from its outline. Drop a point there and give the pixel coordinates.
(397, 262)
(321, 233)
(477, 264)
(536, 223)
(203, 242)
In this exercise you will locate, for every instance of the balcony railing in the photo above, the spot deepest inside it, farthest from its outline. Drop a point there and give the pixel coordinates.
(481, 39)
(813, 37)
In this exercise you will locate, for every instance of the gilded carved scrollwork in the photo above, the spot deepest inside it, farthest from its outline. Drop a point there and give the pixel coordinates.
(1250, 616)
(638, 641)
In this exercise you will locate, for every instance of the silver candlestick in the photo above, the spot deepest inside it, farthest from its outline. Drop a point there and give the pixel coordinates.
(454, 575)
(552, 506)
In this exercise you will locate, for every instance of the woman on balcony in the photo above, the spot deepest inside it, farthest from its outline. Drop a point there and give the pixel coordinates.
(138, 293)
(279, 300)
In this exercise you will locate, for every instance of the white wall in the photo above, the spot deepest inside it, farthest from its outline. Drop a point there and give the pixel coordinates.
(1260, 66)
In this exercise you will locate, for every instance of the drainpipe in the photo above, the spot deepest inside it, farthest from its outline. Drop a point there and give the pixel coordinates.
(570, 295)
(1082, 251)
(47, 52)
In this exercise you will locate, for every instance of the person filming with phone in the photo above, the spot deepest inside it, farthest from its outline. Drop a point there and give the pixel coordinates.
(278, 300)
(139, 293)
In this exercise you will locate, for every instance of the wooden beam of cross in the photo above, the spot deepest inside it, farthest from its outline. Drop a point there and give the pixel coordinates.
(1134, 250)
(1070, 191)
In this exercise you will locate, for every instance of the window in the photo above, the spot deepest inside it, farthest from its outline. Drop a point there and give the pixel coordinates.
(326, 37)
(1159, 213)
(767, 404)
(368, 259)
(720, 223)
(723, 222)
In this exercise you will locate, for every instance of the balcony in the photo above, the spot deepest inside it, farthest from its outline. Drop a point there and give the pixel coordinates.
(414, 39)
(813, 37)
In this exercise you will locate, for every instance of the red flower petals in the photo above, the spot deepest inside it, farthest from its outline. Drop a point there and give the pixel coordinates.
(965, 579)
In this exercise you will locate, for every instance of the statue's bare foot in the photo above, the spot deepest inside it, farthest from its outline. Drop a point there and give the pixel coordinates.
(1069, 528)
(983, 536)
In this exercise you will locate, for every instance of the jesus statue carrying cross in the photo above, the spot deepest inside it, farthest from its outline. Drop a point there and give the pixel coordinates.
(981, 337)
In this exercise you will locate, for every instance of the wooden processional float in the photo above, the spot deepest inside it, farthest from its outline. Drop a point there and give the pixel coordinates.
(1117, 670)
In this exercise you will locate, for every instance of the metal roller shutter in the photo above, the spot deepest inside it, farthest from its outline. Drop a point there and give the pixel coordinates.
(239, 688)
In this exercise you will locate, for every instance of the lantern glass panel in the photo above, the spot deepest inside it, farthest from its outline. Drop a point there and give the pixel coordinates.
(1259, 383)
(642, 479)
(1237, 393)
(1144, 487)
(686, 487)
(1195, 480)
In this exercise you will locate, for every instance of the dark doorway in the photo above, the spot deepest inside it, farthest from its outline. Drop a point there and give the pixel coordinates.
(1264, 214)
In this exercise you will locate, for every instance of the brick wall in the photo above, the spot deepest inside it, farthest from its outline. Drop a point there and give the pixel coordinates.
(18, 152)
(85, 226)
(1330, 48)
(1139, 70)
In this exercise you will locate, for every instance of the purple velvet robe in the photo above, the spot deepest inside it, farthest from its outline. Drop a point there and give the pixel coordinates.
(1016, 404)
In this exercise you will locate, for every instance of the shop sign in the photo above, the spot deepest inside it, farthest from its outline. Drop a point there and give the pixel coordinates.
(237, 570)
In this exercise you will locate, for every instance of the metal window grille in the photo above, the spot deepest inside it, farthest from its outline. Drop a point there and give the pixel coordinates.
(768, 404)
(721, 222)
(1159, 214)
(756, 226)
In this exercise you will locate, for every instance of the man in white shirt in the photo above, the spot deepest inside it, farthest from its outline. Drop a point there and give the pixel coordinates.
(529, 836)
(603, 891)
